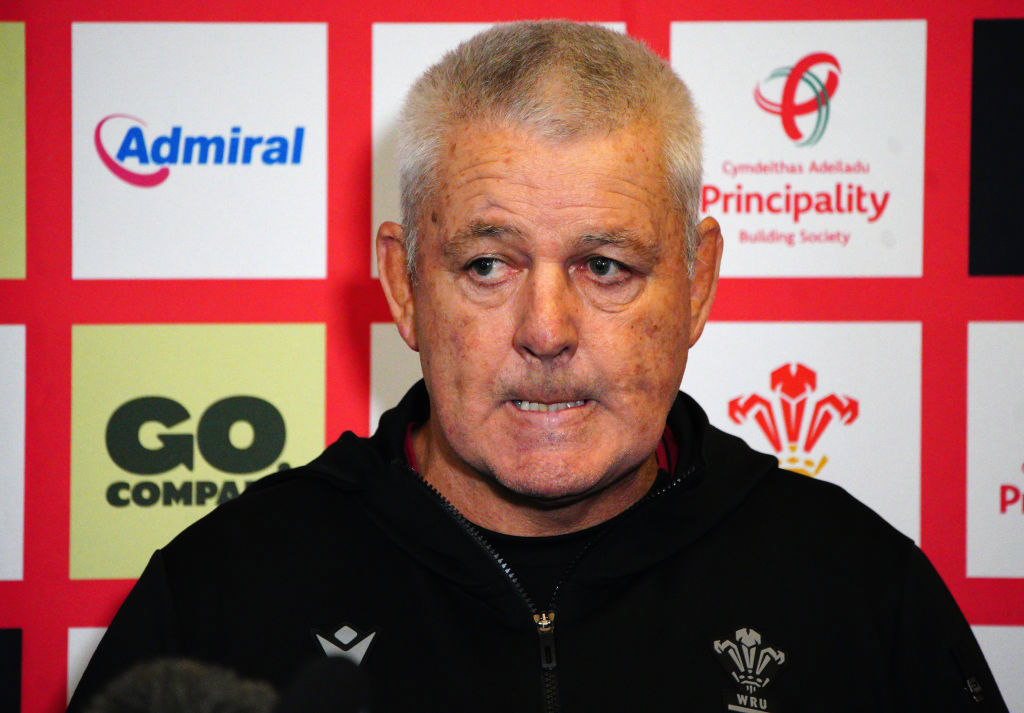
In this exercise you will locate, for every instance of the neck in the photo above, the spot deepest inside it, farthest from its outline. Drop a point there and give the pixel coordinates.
(484, 501)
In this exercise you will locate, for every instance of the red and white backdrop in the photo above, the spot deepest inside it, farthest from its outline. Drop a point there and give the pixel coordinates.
(188, 298)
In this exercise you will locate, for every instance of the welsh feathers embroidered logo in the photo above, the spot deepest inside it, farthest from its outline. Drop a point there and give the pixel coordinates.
(818, 101)
(793, 386)
(752, 665)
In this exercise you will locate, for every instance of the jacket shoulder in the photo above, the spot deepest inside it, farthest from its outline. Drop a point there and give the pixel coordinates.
(279, 513)
(825, 504)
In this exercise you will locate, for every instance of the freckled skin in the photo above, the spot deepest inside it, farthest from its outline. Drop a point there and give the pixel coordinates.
(551, 272)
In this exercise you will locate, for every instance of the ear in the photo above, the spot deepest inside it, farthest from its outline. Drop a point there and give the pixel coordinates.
(705, 275)
(394, 279)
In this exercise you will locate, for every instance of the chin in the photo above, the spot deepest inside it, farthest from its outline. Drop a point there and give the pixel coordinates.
(552, 489)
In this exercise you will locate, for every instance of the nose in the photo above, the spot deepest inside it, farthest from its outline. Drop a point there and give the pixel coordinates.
(547, 319)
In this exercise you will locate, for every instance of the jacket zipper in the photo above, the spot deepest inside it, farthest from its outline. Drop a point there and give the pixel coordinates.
(543, 620)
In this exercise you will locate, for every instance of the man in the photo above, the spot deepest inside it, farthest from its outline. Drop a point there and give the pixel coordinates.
(545, 523)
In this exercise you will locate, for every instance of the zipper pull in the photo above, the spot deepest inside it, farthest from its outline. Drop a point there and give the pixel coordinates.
(546, 630)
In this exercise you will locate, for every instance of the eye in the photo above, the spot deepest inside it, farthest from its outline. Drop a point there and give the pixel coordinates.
(601, 266)
(486, 269)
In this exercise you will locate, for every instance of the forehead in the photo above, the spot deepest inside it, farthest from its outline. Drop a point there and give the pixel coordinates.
(519, 175)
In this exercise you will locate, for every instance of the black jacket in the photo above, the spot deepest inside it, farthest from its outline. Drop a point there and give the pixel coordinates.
(735, 584)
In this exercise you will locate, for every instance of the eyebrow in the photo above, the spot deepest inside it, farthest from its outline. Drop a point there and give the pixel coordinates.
(479, 230)
(624, 239)
(475, 231)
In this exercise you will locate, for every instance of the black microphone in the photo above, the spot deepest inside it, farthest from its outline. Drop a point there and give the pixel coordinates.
(328, 685)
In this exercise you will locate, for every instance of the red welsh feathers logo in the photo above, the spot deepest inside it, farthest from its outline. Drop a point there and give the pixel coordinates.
(792, 386)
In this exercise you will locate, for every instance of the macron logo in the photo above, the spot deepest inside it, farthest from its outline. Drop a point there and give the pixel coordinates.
(346, 643)
(177, 148)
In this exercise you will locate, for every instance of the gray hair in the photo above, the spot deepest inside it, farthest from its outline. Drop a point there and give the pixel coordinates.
(557, 78)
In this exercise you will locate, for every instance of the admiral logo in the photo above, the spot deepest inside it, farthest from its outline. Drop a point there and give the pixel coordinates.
(752, 666)
(819, 103)
(214, 439)
(199, 150)
(793, 384)
(135, 154)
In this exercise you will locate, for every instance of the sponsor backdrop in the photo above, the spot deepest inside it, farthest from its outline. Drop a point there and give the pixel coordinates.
(12, 450)
(12, 158)
(805, 190)
(188, 300)
(167, 421)
(822, 397)
(226, 119)
(10, 669)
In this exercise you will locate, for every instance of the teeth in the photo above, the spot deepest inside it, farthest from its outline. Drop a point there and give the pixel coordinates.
(535, 406)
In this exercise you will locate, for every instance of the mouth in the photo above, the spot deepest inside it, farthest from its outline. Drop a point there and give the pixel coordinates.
(524, 405)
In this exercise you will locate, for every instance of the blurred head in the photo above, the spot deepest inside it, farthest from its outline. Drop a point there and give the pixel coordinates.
(326, 685)
(183, 686)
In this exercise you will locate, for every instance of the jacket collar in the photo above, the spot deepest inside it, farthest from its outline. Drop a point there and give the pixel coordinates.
(714, 474)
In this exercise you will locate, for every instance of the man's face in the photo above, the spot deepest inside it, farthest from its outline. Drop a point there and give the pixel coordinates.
(552, 309)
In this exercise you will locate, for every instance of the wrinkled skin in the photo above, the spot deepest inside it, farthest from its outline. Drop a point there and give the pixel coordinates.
(553, 273)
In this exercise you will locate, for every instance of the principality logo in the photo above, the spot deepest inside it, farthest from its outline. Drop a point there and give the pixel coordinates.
(793, 384)
(346, 642)
(788, 108)
(174, 148)
(752, 666)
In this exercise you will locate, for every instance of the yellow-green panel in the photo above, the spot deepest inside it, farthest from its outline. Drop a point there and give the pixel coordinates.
(142, 398)
(12, 158)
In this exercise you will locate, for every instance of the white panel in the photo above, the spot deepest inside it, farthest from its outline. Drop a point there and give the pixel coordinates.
(876, 453)
(1003, 647)
(402, 51)
(12, 451)
(995, 449)
(394, 367)
(235, 219)
(82, 642)
(870, 148)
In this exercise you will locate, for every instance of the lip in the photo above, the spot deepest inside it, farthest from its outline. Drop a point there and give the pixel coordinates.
(569, 410)
(547, 406)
